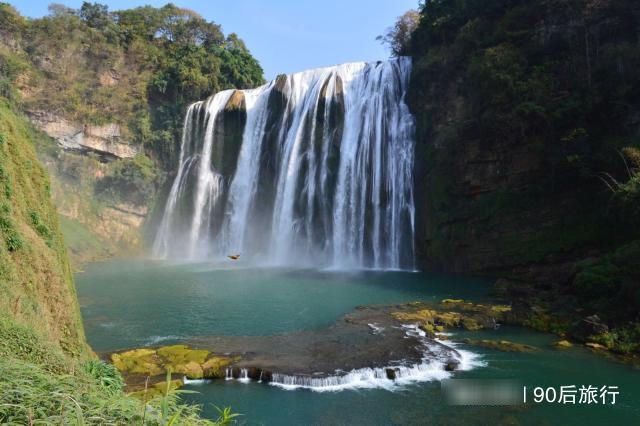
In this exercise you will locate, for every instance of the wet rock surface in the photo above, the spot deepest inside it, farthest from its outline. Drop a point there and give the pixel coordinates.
(501, 345)
(368, 338)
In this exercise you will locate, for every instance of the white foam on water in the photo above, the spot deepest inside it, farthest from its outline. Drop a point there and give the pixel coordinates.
(375, 329)
(365, 378)
(153, 340)
(432, 368)
(188, 381)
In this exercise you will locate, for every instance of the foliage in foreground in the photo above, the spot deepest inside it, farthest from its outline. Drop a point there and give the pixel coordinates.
(29, 394)
(39, 385)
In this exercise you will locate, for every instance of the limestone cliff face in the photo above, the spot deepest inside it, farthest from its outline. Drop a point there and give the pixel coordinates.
(115, 226)
(106, 139)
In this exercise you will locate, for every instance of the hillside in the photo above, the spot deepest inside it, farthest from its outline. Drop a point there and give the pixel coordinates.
(46, 368)
(529, 145)
(48, 373)
(111, 88)
(35, 278)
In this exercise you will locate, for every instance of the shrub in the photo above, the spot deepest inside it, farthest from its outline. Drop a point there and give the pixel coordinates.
(19, 341)
(6, 182)
(106, 375)
(41, 228)
(31, 395)
(129, 180)
(12, 239)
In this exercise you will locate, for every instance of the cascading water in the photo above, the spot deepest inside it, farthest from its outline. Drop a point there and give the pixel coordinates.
(312, 168)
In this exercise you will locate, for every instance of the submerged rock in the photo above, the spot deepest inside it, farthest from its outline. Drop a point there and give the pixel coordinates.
(501, 345)
(562, 344)
(596, 346)
(333, 356)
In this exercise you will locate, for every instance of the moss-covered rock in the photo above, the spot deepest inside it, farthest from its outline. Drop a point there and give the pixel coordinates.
(215, 367)
(178, 359)
(182, 354)
(138, 361)
(452, 301)
(157, 389)
(451, 313)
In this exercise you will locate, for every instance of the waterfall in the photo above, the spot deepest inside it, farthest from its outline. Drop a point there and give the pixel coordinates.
(313, 168)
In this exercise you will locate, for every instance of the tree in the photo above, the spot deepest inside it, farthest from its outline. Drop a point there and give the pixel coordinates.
(11, 23)
(398, 37)
(96, 15)
(57, 10)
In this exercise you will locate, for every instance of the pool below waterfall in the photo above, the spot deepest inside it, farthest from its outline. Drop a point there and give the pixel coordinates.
(131, 304)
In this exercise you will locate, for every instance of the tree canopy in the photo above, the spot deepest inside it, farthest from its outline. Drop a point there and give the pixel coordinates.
(138, 67)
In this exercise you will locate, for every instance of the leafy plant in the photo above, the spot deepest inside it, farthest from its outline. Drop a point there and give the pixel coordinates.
(129, 180)
(105, 374)
(41, 228)
(226, 416)
(12, 238)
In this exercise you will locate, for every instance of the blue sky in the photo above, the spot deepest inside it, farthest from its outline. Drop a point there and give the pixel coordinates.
(285, 35)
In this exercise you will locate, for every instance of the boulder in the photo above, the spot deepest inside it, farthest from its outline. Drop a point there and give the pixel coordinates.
(391, 373)
(587, 327)
(452, 365)
(254, 373)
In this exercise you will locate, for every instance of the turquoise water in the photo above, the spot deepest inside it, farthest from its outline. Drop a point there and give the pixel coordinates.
(131, 304)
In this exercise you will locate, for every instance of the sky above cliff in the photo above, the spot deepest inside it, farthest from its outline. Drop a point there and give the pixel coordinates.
(285, 35)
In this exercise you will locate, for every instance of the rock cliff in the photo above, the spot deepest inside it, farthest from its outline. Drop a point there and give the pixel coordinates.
(104, 140)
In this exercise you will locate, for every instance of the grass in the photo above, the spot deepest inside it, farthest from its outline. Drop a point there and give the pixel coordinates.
(40, 385)
(35, 278)
(31, 395)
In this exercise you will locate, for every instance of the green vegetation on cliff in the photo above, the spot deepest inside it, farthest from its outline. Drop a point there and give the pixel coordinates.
(47, 372)
(523, 108)
(138, 68)
(528, 141)
(127, 77)
(35, 278)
